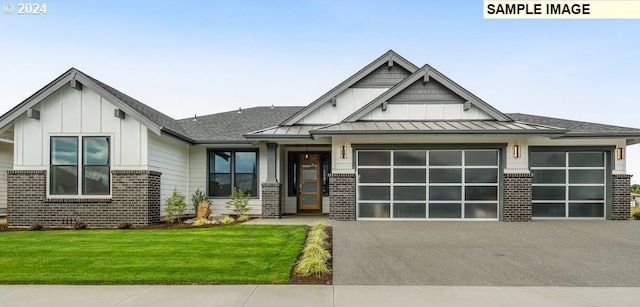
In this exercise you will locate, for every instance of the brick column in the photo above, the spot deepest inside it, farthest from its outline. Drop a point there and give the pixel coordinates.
(517, 197)
(342, 197)
(620, 198)
(271, 200)
(26, 191)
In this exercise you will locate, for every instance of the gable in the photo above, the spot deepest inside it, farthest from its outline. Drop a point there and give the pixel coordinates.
(373, 77)
(384, 76)
(427, 95)
(426, 101)
(420, 91)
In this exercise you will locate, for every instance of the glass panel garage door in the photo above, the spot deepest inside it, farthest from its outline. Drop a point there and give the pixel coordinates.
(427, 184)
(568, 184)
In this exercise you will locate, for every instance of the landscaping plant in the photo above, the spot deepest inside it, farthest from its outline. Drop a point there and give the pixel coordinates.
(239, 202)
(227, 220)
(175, 205)
(315, 254)
(198, 197)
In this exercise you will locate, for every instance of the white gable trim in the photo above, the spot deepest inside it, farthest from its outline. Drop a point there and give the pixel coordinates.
(390, 58)
(426, 73)
(63, 80)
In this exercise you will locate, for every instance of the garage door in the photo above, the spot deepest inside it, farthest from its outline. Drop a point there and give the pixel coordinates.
(568, 184)
(427, 184)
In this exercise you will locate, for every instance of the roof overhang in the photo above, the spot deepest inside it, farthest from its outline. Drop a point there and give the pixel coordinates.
(437, 128)
(426, 73)
(389, 57)
(64, 80)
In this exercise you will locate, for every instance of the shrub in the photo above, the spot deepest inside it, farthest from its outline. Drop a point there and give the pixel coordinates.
(316, 251)
(175, 205)
(198, 197)
(239, 202)
(125, 225)
(312, 266)
(636, 215)
(318, 235)
(322, 225)
(227, 220)
(79, 225)
(317, 240)
(242, 218)
(35, 226)
(199, 222)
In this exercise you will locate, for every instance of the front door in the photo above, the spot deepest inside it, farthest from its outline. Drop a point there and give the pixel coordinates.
(309, 192)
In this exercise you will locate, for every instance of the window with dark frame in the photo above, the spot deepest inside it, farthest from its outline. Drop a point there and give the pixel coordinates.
(233, 168)
(94, 169)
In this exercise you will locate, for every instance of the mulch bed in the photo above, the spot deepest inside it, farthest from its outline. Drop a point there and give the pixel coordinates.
(326, 279)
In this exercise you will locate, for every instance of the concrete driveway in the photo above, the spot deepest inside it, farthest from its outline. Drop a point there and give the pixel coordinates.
(540, 253)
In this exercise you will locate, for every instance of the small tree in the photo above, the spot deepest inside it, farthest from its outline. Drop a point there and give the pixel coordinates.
(635, 188)
(239, 202)
(198, 197)
(175, 205)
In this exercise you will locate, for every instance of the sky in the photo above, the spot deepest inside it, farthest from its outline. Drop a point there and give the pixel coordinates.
(201, 57)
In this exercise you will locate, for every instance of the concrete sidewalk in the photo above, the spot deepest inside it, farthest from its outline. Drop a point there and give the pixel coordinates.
(301, 296)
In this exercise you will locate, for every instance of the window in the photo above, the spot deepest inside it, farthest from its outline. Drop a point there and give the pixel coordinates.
(231, 168)
(66, 168)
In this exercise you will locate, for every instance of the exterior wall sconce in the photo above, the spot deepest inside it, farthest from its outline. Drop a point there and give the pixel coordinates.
(343, 152)
(619, 153)
(516, 151)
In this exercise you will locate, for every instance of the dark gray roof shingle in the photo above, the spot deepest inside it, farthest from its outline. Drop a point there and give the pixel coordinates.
(576, 128)
(230, 126)
(150, 113)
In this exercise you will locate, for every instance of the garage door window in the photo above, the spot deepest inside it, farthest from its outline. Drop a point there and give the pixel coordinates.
(568, 184)
(427, 184)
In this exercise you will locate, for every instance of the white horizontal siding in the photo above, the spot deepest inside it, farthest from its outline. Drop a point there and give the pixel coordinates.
(170, 157)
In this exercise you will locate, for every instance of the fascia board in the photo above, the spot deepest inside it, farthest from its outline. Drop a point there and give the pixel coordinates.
(349, 82)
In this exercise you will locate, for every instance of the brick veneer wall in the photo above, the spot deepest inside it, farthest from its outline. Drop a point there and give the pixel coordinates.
(517, 197)
(620, 200)
(342, 197)
(135, 197)
(271, 200)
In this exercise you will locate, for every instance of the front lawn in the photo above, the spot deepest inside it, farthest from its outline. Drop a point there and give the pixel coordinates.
(634, 210)
(241, 254)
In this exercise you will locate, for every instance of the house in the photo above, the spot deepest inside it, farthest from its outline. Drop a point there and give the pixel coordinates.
(392, 142)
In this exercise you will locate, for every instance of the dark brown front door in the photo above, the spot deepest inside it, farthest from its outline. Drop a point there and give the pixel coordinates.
(310, 194)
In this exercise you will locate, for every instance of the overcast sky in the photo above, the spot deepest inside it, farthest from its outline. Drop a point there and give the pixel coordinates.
(201, 57)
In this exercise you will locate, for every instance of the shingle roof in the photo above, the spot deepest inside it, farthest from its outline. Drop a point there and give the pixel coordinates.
(150, 113)
(577, 128)
(230, 126)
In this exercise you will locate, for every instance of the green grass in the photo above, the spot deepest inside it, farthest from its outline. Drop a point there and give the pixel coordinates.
(241, 254)
(634, 209)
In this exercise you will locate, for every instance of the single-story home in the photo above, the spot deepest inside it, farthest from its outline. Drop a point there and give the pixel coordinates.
(394, 141)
